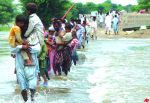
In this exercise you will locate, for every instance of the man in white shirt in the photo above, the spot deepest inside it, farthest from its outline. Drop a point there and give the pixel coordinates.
(108, 22)
(35, 37)
(35, 25)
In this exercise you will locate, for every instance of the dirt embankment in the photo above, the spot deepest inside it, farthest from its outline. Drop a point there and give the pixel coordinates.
(125, 34)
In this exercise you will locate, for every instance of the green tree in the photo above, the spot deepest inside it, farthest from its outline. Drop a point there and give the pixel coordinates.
(48, 9)
(82, 9)
(7, 11)
(114, 7)
(128, 8)
(75, 12)
(107, 5)
(90, 6)
(135, 8)
(144, 4)
(100, 7)
(120, 7)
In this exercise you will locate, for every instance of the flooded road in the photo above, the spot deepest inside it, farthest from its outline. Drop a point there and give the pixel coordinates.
(115, 71)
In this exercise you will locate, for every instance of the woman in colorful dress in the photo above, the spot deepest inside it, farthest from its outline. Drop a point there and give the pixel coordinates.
(62, 58)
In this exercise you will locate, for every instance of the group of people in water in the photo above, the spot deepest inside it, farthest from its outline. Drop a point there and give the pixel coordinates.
(39, 52)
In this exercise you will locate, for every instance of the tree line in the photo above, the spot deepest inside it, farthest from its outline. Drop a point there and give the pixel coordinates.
(56, 8)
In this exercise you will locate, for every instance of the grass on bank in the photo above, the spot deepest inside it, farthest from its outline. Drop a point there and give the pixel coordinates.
(5, 27)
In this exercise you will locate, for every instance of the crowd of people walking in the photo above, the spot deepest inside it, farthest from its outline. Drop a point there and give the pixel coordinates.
(41, 53)
(38, 52)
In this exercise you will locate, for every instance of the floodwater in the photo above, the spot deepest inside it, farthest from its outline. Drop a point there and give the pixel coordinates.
(115, 71)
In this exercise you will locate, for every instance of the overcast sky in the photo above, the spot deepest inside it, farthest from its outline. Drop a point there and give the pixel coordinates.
(122, 2)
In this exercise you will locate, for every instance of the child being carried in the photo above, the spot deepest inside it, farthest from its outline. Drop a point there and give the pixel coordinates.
(16, 38)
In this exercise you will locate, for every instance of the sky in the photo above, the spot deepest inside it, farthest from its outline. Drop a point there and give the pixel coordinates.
(122, 2)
